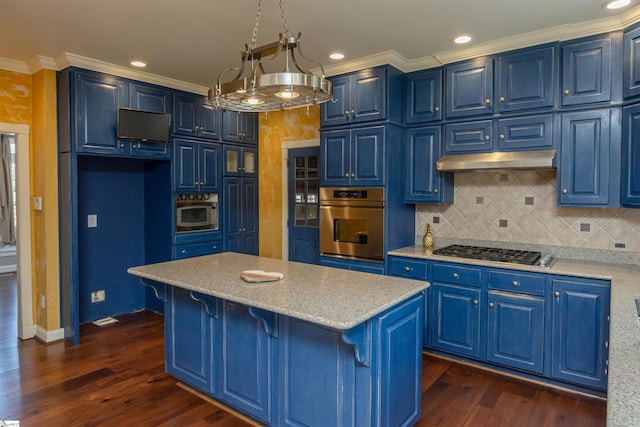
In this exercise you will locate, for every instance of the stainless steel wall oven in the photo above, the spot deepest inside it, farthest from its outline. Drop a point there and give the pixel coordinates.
(352, 223)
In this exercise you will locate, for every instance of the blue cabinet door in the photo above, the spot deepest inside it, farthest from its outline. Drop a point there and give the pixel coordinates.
(631, 73)
(469, 88)
(185, 165)
(469, 137)
(209, 158)
(423, 182)
(589, 171)
(240, 127)
(515, 335)
(335, 158)
(210, 126)
(367, 156)
(630, 195)
(188, 340)
(245, 361)
(193, 116)
(150, 98)
(338, 110)
(368, 95)
(197, 249)
(424, 96)
(526, 78)
(455, 319)
(97, 99)
(591, 70)
(241, 215)
(580, 331)
(525, 133)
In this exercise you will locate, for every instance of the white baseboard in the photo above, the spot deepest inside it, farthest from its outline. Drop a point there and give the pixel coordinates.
(47, 337)
(26, 331)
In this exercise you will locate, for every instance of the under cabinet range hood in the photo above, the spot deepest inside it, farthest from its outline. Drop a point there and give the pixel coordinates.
(499, 160)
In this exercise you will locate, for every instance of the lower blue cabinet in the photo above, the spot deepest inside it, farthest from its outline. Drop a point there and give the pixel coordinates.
(197, 249)
(188, 339)
(580, 331)
(352, 264)
(515, 336)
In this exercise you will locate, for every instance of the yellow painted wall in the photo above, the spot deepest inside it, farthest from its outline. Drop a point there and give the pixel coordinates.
(276, 128)
(31, 100)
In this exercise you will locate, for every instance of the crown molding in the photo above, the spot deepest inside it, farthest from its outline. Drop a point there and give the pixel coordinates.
(72, 60)
(40, 62)
(389, 57)
(13, 65)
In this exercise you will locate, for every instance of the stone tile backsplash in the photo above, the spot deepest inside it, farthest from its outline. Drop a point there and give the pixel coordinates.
(520, 206)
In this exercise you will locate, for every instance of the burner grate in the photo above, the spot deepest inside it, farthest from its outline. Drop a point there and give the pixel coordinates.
(490, 254)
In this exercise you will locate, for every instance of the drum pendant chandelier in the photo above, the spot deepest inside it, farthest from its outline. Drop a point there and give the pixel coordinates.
(254, 89)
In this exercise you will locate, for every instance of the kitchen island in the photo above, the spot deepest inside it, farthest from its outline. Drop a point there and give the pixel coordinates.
(322, 346)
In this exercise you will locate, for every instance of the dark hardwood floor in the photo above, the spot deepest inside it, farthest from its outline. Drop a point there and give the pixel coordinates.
(116, 377)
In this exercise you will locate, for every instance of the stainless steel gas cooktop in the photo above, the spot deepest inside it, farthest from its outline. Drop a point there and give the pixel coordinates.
(493, 254)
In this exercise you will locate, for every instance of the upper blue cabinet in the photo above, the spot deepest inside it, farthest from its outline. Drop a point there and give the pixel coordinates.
(240, 127)
(527, 78)
(591, 70)
(424, 96)
(150, 98)
(371, 95)
(193, 116)
(631, 73)
(469, 88)
(630, 196)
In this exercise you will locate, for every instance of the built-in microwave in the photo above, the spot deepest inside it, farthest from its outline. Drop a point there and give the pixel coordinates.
(196, 212)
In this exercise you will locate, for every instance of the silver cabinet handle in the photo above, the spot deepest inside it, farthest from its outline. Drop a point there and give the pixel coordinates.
(475, 302)
(566, 92)
(121, 145)
(455, 275)
(490, 305)
(487, 101)
(501, 99)
(346, 113)
(515, 283)
(501, 136)
(215, 246)
(352, 174)
(184, 251)
(487, 137)
(346, 175)
(407, 269)
(436, 109)
(565, 191)
(435, 190)
(556, 294)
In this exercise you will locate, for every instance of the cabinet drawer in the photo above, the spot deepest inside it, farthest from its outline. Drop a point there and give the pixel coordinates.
(531, 284)
(405, 267)
(454, 273)
(197, 249)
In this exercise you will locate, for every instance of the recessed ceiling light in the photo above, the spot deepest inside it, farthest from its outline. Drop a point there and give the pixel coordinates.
(462, 39)
(617, 4)
(138, 64)
(336, 55)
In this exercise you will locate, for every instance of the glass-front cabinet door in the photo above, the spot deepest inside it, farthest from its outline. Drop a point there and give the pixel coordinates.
(240, 161)
(306, 183)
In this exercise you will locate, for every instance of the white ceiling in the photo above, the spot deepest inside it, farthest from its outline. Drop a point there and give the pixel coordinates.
(193, 40)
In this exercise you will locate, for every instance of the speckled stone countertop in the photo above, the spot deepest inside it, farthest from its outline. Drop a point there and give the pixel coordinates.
(623, 395)
(335, 298)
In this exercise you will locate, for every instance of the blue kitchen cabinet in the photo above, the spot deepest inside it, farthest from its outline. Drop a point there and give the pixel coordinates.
(589, 164)
(515, 335)
(143, 96)
(95, 99)
(469, 137)
(591, 70)
(469, 88)
(580, 331)
(353, 157)
(240, 206)
(535, 132)
(373, 94)
(240, 161)
(423, 182)
(196, 166)
(456, 313)
(194, 116)
(527, 78)
(189, 340)
(352, 264)
(414, 269)
(197, 249)
(246, 359)
(630, 193)
(424, 96)
(240, 127)
(631, 73)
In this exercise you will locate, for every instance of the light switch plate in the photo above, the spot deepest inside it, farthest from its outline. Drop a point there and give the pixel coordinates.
(37, 203)
(92, 221)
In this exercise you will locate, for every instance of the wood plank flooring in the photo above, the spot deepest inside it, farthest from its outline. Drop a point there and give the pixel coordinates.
(116, 377)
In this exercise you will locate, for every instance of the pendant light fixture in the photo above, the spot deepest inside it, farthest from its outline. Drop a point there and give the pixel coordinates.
(255, 89)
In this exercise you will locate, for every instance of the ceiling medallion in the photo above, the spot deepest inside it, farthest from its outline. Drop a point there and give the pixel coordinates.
(255, 89)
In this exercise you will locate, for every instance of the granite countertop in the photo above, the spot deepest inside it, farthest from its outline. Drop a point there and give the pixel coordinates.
(623, 395)
(331, 297)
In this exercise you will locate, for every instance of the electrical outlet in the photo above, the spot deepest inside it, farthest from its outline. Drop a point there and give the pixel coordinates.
(92, 221)
(42, 302)
(97, 296)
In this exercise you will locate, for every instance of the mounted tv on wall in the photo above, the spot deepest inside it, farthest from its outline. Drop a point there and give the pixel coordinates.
(139, 125)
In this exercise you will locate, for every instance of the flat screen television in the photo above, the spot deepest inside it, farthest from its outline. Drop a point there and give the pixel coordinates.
(139, 125)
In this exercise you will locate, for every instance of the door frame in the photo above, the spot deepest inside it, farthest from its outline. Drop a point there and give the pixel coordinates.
(285, 188)
(26, 324)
